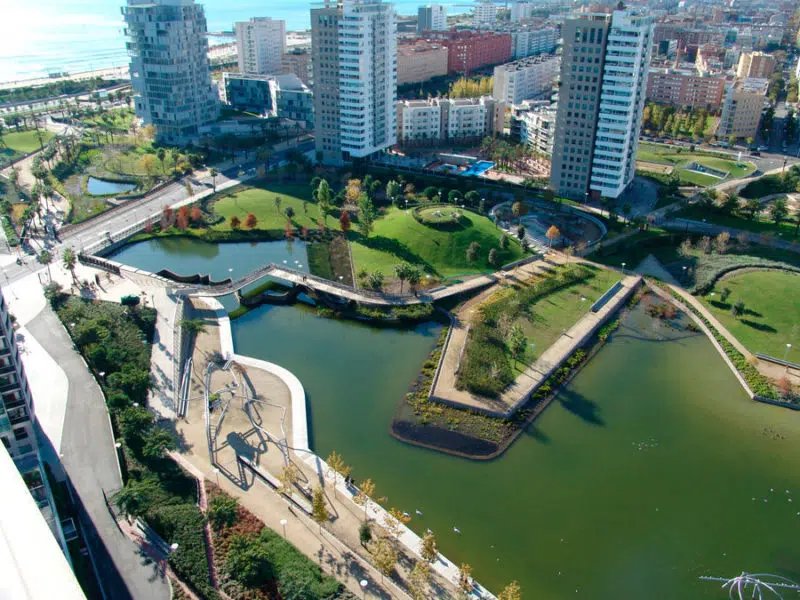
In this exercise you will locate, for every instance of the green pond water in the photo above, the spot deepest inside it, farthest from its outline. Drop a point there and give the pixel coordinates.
(651, 469)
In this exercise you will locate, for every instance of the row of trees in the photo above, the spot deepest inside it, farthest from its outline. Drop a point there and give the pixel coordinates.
(385, 550)
(712, 201)
(676, 122)
(466, 87)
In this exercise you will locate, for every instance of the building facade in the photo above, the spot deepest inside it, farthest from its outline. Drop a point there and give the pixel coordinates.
(484, 14)
(260, 43)
(526, 79)
(520, 11)
(298, 62)
(529, 42)
(534, 124)
(432, 17)
(603, 87)
(282, 96)
(467, 50)
(16, 427)
(741, 108)
(420, 61)
(354, 45)
(246, 92)
(686, 87)
(442, 120)
(755, 64)
(169, 67)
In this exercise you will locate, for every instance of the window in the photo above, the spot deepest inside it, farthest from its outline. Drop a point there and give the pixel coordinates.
(20, 433)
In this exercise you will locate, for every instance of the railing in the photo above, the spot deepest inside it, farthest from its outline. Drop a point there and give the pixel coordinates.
(177, 356)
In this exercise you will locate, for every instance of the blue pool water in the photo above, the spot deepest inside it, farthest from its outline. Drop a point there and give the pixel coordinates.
(103, 187)
(479, 168)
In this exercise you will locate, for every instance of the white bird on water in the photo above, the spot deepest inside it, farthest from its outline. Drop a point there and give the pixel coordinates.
(457, 530)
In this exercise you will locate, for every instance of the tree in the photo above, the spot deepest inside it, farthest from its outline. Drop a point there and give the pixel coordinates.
(161, 154)
(277, 201)
(157, 441)
(196, 215)
(724, 293)
(45, 258)
(366, 215)
(337, 465)
(414, 276)
(493, 259)
(401, 272)
(430, 549)
(344, 221)
(472, 198)
(365, 533)
(453, 196)
(288, 478)
(753, 208)
(214, 173)
(385, 556)
(418, 580)
(193, 326)
(319, 511)
(148, 164)
(248, 562)
(289, 212)
(251, 221)
(366, 492)
(393, 192)
(737, 310)
(517, 343)
(430, 192)
(626, 210)
(521, 232)
(553, 233)
(722, 242)
(472, 252)
(465, 578)
(511, 592)
(778, 211)
(324, 199)
(235, 222)
(730, 204)
(519, 209)
(136, 497)
(352, 192)
(375, 280)
(69, 260)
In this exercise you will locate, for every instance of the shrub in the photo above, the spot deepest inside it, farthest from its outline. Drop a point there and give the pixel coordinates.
(222, 511)
(248, 561)
(295, 574)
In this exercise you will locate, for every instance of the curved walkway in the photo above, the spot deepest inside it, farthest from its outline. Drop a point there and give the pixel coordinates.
(407, 537)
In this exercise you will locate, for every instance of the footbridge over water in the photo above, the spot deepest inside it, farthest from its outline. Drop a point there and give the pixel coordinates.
(196, 286)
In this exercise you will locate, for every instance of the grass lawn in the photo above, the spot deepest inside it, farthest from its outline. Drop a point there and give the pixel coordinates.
(553, 313)
(667, 155)
(399, 237)
(20, 143)
(761, 224)
(259, 199)
(772, 312)
(120, 119)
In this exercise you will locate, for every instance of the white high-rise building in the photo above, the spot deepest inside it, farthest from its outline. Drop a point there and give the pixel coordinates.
(432, 17)
(521, 10)
(354, 45)
(484, 14)
(619, 121)
(526, 79)
(603, 85)
(260, 43)
(169, 67)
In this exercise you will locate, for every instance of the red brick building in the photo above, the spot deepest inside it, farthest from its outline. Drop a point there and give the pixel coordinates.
(468, 50)
(685, 88)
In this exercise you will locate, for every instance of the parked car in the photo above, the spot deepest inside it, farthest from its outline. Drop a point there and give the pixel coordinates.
(755, 153)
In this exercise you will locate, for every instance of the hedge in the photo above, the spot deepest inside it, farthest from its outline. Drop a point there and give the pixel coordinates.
(183, 524)
(11, 233)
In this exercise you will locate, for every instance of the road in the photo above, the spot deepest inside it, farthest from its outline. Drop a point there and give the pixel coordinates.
(89, 458)
(89, 232)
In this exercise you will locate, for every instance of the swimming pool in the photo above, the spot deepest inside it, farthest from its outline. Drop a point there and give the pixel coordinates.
(478, 169)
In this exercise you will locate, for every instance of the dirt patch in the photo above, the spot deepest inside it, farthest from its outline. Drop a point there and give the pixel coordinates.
(654, 167)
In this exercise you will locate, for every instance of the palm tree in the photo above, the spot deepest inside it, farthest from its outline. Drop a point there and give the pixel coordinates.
(213, 172)
(69, 260)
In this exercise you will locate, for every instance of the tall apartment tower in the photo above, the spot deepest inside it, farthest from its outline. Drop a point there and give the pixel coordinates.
(354, 46)
(432, 17)
(260, 43)
(603, 87)
(169, 67)
(16, 426)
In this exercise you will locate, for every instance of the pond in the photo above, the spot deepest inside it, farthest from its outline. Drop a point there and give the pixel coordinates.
(651, 469)
(188, 256)
(103, 187)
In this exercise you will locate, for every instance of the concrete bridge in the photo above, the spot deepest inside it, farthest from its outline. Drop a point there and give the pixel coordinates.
(290, 277)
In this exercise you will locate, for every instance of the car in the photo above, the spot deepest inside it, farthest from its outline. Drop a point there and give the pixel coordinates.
(755, 153)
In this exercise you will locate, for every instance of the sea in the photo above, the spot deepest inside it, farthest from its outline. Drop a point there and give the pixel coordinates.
(41, 37)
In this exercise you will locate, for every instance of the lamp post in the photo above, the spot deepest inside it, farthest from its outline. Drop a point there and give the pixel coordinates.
(363, 583)
(623, 268)
(786, 354)
(283, 524)
(216, 474)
